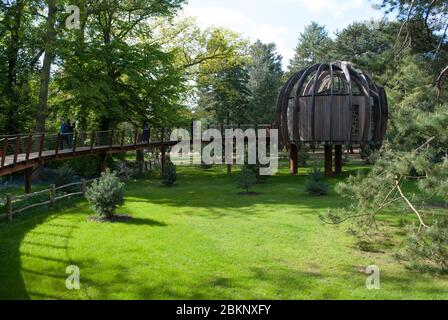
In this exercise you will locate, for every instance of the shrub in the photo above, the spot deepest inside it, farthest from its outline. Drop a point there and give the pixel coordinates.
(366, 154)
(86, 166)
(106, 194)
(256, 168)
(316, 185)
(90, 166)
(169, 176)
(60, 176)
(246, 178)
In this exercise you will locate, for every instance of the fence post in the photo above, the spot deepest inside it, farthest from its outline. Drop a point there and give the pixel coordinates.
(83, 187)
(52, 194)
(9, 206)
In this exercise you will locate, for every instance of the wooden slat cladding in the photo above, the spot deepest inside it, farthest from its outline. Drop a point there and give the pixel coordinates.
(332, 104)
(340, 117)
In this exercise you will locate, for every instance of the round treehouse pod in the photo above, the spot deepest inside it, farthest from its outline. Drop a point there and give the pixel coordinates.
(333, 105)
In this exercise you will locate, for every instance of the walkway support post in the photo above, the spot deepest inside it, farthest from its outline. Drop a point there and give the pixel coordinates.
(294, 159)
(338, 159)
(329, 160)
(28, 174)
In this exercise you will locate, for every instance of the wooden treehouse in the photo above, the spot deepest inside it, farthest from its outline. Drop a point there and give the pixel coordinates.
(332, 105)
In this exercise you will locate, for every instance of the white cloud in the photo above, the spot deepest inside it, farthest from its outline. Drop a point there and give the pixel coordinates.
(337, 9)
(239, 22)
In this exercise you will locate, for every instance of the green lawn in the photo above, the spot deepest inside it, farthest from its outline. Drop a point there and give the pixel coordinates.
(201, 240)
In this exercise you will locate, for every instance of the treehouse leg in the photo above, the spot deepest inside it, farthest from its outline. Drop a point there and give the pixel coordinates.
(28, 177)
(338, 159)
(294, 159)
(328, 160)
(229, 169)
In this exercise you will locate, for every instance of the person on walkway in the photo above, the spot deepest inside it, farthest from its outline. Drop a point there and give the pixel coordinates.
(63, 131)
(70, 130)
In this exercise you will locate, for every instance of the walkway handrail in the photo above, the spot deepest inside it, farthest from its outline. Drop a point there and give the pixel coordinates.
(39, 146)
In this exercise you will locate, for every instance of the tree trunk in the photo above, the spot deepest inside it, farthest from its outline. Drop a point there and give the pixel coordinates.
(13, 53)
(45, 75)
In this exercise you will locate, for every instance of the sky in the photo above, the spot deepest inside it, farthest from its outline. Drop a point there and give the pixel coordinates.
(280, 21)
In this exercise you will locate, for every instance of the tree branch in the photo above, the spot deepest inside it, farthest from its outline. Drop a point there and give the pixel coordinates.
(422, 223)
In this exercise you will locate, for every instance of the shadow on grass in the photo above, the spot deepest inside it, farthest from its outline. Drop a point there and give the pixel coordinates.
(12, 237)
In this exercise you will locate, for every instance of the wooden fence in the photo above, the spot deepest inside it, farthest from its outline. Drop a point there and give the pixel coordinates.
(56, 193)
(52, 197)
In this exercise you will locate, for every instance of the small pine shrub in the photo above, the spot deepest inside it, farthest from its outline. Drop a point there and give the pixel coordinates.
(246, 178)
(316, 185)
(169, 176)
(256, 168)
(106, 194)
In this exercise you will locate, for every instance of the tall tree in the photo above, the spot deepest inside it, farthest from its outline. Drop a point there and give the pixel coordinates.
(50, 43)
(20, 50)
(417, 150)
(314, 46)
(265, 80)
(113, 72)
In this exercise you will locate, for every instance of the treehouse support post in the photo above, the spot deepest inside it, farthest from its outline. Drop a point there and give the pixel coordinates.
(338, 159)
(294, 159)
(328, 160)
(28, 175)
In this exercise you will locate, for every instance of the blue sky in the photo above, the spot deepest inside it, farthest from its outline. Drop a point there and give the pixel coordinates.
(280, 21)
